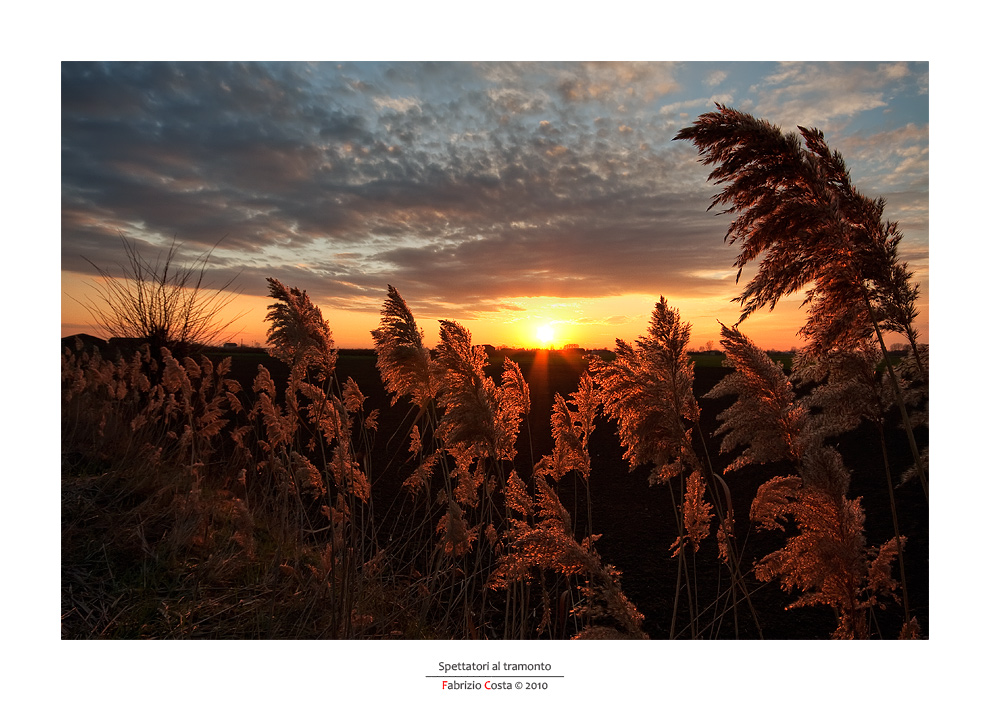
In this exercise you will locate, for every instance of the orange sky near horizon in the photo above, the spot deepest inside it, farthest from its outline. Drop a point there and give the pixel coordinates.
(588, 322)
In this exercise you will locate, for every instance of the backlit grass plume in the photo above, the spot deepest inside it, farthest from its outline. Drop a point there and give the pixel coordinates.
(403, 361)
(764, 420)
(828, 561)
(480, 419)
(298, 333)
(697, 514)
(800, 215)
(647, 389)
(844, 388)
(572, 429)
(548, 544)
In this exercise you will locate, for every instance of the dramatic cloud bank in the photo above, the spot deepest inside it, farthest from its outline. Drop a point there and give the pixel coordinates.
(467, 186)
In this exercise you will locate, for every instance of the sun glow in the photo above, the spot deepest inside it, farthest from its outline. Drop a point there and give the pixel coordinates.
(544, 334)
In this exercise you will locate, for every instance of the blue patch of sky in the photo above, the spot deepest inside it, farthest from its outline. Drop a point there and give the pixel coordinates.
(904, 104)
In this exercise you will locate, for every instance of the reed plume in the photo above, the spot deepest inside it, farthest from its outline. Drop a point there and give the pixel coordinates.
(764, 419)
(548, 544)
(697, 515)
(403, 361)
(298, 333)
(828, 561)
(479, 419)
(571, 429)
(800, 215)
(647, 389)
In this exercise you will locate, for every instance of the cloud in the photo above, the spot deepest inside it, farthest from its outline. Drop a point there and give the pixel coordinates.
(895, 159)
(694, 106)
(461, 184)
(614, 320)
(715, 77)
(818, 94)
(617, 81)
(398, 104)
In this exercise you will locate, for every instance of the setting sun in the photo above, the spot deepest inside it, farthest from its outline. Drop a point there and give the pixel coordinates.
(544, 335)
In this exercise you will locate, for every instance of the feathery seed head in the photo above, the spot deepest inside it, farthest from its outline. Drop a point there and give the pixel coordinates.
(648, 390)
(298, 333)
(403, 361)
(764, 417)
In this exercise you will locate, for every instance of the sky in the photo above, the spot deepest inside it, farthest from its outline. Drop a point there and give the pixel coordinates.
(535, 202)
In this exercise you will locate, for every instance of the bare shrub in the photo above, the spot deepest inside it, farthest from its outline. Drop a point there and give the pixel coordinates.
(160, 301)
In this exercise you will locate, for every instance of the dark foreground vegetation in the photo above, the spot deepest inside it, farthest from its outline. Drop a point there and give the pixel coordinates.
(159, 550)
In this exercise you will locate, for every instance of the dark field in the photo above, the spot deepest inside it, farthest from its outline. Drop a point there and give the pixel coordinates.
(636, 520)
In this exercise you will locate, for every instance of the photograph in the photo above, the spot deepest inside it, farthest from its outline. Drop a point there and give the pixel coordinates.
(452, 365)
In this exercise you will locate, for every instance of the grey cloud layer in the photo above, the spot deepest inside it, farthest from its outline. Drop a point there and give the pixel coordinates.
(463, 183)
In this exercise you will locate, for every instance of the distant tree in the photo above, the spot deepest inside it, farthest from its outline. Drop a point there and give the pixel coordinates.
(161, 302)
